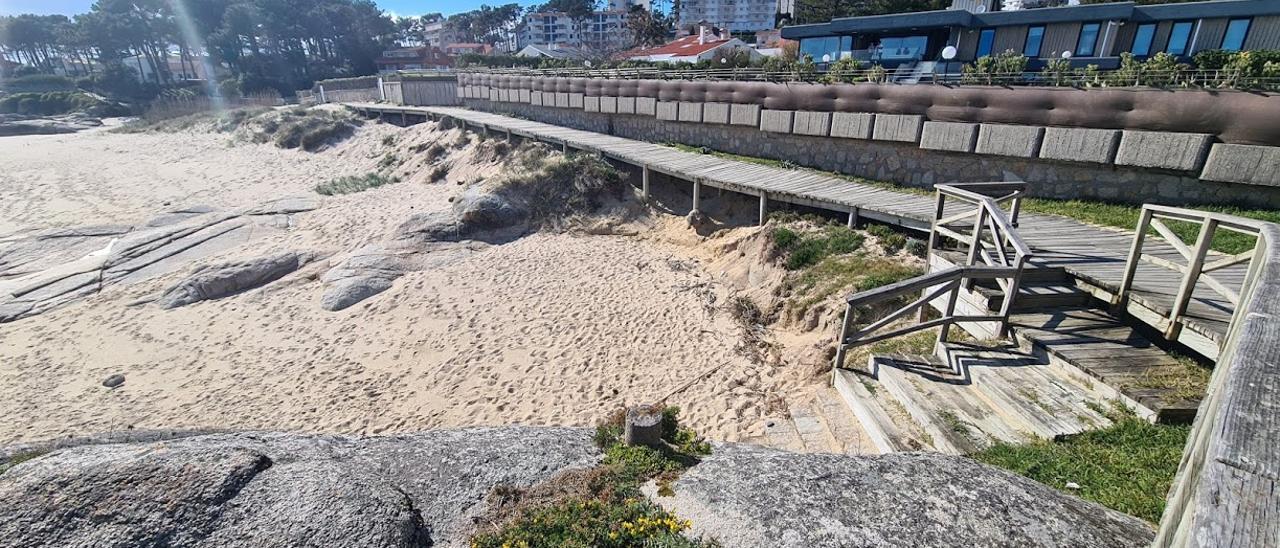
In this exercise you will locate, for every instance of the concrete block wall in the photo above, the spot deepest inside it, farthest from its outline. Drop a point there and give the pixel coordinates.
(904, 128)
(949, 136)
(852, 125)
(1247, 164)
(1071, 144)
(811, 123)
(1188, 154)
(1160, 150)
(690, 112)
(1008, 140)
(668, 110)
(744, 115)
(715, 113)
(777, 121)
(627, 105)
(909, 163)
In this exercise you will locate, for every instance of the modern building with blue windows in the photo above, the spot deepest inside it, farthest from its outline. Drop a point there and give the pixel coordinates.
(1087, 34)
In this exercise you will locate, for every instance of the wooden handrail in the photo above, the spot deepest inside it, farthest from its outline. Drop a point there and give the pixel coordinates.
(986, 260)
(1199, 262)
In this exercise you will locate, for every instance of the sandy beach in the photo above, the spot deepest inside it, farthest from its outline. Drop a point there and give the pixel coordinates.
(554, 328)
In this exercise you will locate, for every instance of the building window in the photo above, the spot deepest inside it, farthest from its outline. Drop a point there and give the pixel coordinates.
(1088, 39)
(1179, 37)
(1035, 35)
(1142, 40)
(985, 40)
(1237, 30)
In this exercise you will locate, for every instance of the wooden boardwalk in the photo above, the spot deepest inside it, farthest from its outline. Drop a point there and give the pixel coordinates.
(1094, 255)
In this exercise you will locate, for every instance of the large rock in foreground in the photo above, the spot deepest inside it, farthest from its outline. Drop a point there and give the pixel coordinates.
(278, 489)
(750, 496)
(263, 489)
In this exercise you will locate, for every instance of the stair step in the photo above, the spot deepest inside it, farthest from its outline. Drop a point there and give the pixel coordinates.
(1037, 295)
(888, 428)
(1105, 348)
(817, 423)
(1032, 272)
(998, 396)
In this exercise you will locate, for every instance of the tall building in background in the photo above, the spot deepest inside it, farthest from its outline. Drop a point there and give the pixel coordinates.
(735, 15)
(601, 32)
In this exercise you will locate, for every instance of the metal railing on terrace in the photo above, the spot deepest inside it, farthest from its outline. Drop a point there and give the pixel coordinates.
(1079, 78)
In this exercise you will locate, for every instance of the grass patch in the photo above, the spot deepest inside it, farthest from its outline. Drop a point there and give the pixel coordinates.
(54, 103)
(855, 272)
(891, 241)
(1128, 466)
(805, 250)
(354, 183)
(1188, 381)
(602, 506)
(553, 186)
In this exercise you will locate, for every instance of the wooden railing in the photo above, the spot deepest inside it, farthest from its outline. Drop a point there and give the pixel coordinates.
(995, 251)
(1197, 268)
(1226, 492)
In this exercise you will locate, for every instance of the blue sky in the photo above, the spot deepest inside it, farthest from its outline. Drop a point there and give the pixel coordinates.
(399, 7)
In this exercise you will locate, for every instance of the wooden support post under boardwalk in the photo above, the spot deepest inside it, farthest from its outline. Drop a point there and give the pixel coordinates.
(853, 217)
(644, 182)
(404, 119)
(764, 207)
(564, 147)
(697, 196)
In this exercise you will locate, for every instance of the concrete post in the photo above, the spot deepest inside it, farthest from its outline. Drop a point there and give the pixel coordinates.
(697, 196)
(764, 207)
(644, 182)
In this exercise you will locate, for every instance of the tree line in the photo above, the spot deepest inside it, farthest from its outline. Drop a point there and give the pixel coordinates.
(281, 44)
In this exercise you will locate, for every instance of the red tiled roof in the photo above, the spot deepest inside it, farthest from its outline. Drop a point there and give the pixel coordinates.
(684, 46)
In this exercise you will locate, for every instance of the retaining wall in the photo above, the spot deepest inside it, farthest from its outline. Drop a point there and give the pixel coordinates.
(906, 162)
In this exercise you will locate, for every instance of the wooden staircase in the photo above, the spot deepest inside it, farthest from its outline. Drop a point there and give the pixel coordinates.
(1073, 352)
(916, 402)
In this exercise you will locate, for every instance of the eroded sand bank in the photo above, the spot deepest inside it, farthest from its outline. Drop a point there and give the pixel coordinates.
(551, 329)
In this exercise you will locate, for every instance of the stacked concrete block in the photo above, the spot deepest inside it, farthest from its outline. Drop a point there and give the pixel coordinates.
(744, 115)
(524, 96)
(562, 99)
(811, 123)
(647, 106)
(690, 112)
(903, 128)
(1009, 140)
(493, 94)
(668, 110)
(852, 125)
(627, 105)
(504, 95)
(1248, 164)
(609, 105)
(576, 100)
(1096, 146)
(715, 113)
(949, 136)
(591, 104)
(1163, 150)
(535, 98)
(777, 121)
(462, 92)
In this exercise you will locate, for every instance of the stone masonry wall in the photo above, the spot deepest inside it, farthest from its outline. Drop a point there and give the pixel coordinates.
(906, 163)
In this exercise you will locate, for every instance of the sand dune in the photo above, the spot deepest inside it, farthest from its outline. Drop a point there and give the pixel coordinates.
(551, 329)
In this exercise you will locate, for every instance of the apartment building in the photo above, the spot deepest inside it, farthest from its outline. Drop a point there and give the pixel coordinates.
(734, 15)
(601, 32)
